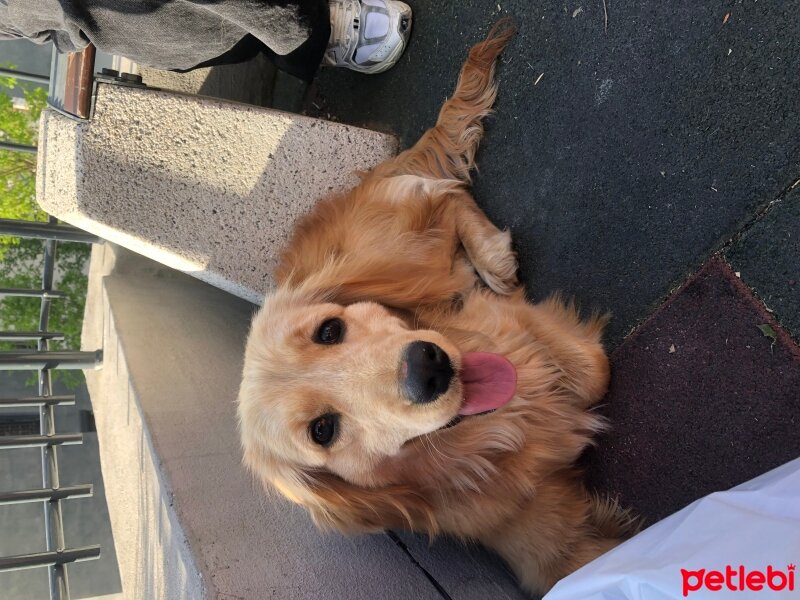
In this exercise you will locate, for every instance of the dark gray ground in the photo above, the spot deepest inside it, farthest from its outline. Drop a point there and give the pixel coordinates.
(641, 149)
(767, 255)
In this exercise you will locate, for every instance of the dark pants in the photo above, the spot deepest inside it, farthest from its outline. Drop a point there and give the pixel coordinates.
(179, 35)
(301, 63)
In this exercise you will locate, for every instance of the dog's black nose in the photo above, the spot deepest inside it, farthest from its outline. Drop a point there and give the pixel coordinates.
(427, 372)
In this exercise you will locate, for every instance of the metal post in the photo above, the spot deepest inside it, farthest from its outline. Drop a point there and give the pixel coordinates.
(18, 147)
(53, 517)
(31, 293)
(51, 559)
(46, 440)
(32, 77)
(22, 360)
(23, 496)
(47, 231)
(28, 336)
(36, 401)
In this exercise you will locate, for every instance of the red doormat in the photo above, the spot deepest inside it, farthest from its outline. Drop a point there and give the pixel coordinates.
(704, 395)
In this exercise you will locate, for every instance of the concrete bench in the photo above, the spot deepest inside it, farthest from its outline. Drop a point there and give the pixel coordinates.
(208, 187)
(188, 521)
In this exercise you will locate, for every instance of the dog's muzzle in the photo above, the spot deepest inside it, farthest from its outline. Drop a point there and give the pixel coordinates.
(426, 372)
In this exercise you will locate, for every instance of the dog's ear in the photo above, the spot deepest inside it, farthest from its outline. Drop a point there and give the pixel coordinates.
(337, 504)
(404, 281)
(390, 240)
(447, 151)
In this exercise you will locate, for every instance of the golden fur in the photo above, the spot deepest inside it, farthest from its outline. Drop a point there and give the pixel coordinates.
(396, 259)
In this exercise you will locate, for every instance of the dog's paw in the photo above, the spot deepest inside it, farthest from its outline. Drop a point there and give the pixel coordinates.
(497, 263)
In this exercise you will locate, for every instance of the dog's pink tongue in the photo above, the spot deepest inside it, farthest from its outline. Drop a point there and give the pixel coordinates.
(489, 382)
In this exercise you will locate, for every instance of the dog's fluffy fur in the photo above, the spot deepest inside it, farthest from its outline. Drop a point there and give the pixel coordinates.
(400, 258)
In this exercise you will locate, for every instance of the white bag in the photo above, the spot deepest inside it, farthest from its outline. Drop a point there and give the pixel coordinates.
(740, 544)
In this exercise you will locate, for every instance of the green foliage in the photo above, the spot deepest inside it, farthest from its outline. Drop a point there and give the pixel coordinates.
(25, 263)
(18, 169)
(21, 261)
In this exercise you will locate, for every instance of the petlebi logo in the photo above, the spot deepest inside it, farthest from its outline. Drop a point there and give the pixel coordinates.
(739, 579)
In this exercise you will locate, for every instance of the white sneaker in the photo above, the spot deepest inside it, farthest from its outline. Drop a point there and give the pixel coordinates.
(368, 36)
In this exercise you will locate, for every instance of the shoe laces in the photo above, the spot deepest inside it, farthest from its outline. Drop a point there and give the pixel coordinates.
(344, 19)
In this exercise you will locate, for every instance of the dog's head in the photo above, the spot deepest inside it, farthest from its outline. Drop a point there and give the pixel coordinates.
(330, 392)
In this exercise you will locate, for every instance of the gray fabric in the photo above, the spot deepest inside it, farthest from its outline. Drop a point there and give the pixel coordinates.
(166, 34)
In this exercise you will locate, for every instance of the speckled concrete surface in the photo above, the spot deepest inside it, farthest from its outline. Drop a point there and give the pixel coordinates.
(211, 188)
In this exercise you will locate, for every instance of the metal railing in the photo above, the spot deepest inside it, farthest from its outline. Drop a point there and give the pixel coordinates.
(57, 556)
(32, 77)
(18, 147)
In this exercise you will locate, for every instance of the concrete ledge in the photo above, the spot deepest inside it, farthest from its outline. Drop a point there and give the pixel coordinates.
(208, 187)
(152, 549)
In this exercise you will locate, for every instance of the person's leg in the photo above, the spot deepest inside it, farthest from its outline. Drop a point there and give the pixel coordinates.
(247, 48)
(369, 35)
(305, 60)
(302, 62)
(180, 34)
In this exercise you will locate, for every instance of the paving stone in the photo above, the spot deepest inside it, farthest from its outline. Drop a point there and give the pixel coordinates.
(700, 400)
(768, 257)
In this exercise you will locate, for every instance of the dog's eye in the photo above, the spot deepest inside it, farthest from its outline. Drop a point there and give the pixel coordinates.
(323, 429)
(330, 332)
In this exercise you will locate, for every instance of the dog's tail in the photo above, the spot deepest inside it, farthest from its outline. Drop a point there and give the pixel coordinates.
(447, 151)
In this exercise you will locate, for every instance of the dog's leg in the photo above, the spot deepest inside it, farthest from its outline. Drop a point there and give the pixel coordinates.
(558, 533)
(575, 346)
(488, 248)
(447, 151)
(346, 246)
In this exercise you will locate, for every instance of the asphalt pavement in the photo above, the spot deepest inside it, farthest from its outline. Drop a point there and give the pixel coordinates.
(621, 156)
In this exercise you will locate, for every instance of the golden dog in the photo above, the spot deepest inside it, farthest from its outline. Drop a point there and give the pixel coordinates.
(385, 387)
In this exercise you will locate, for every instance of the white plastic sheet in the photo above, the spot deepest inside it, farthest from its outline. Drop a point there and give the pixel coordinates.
(740, 544)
